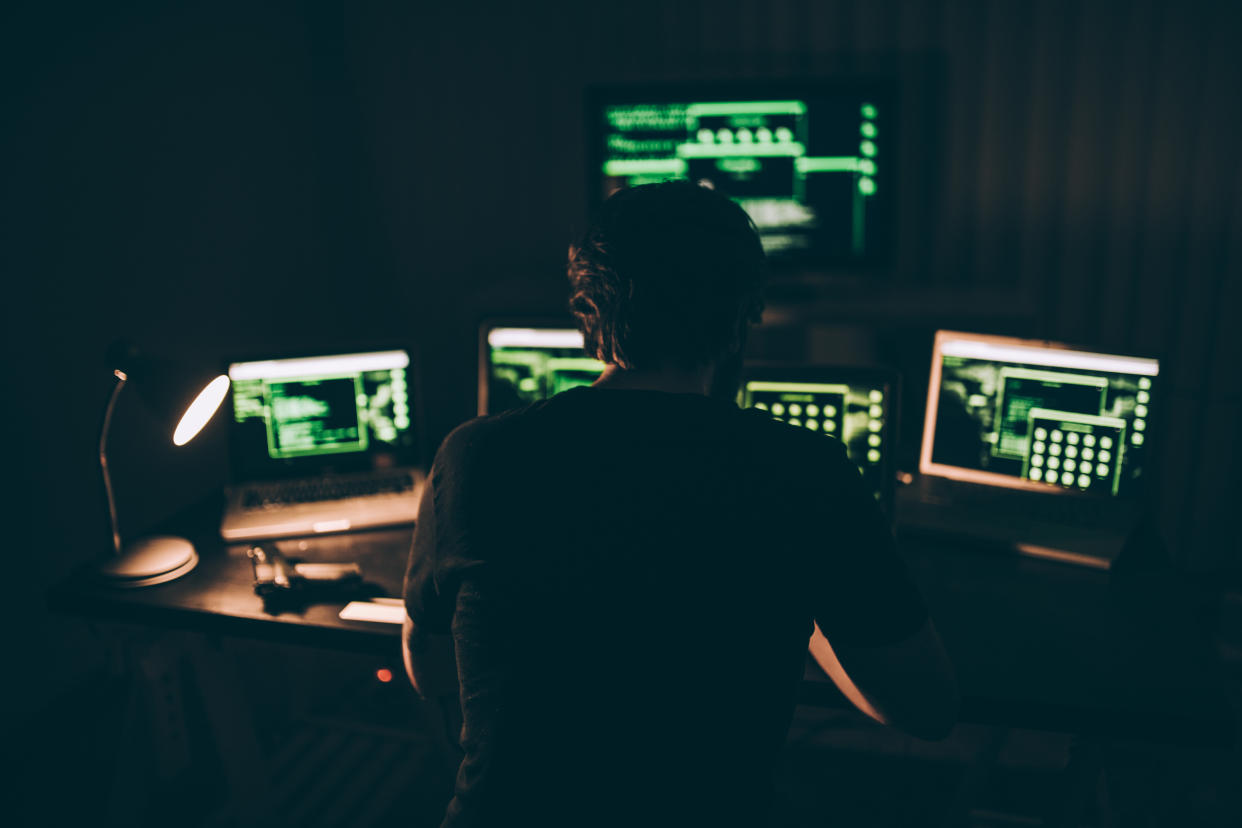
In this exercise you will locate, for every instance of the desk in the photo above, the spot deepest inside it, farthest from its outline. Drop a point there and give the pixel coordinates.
(1036, 644)
(218, 596)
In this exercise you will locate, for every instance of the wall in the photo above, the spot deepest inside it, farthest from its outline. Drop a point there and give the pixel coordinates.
(1071, 170)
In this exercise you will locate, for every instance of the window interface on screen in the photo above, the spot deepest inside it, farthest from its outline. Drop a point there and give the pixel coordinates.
(813, 172)
(1067, 418)
(853, 413)
(316, 406)
(525, 365)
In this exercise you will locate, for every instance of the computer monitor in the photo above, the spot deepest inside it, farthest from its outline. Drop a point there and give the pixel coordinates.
(521, 364)
(312, 414)
(814, 164)
(855, 405)
(1037, 415)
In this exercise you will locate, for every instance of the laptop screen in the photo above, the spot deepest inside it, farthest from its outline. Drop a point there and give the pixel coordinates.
(316, 414)
(1036, 415)
(853, 405)
(522, 365)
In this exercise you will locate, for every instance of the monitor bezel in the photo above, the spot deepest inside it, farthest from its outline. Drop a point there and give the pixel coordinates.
(884, 84)
(928, 468)
(828, 373)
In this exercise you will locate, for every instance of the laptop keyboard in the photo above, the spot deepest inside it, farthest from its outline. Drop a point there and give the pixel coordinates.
(315, 491)
(1034, 507)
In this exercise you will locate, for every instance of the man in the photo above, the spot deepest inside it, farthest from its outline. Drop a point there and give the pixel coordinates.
(629, 572)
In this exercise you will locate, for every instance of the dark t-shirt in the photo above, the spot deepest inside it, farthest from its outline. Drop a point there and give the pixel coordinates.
(630, 579)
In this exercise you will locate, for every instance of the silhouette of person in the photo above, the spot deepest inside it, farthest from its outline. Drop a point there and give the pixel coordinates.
(619, 583)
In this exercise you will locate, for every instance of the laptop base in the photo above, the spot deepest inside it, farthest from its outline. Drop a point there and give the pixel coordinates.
(1089, 532)
(242, 522)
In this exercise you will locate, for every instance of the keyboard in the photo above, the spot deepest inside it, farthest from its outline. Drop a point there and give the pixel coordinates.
(311, 506)
(322, 489)
(1090, 530)
(1032, 506)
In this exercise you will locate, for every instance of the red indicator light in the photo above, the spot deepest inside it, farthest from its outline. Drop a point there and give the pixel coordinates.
(384, 675)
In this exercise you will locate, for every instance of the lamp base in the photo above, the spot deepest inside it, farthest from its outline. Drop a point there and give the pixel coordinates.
(150, 561)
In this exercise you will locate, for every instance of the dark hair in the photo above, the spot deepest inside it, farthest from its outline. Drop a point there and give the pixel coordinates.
(670, 273)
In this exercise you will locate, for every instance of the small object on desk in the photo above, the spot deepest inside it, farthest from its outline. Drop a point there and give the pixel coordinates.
(327, 571)
(381, 611)
(273, 573)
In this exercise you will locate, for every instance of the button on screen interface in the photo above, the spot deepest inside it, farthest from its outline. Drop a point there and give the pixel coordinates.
(1075, 450)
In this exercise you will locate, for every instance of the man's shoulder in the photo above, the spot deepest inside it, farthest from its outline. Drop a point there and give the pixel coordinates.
(481, 435)
(544, 422)
(481, 430)
(796, 441)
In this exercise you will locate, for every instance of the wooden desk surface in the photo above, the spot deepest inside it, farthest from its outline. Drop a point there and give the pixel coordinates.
(218, 596)
(1036, 644)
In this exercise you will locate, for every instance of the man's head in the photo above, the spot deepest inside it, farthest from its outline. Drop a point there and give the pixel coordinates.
(670, 276)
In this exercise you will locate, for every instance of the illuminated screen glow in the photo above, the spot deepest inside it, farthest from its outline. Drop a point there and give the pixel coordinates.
(526, 365)
(317, 406)
(853, 412)
(1037, 416)
(813, 168)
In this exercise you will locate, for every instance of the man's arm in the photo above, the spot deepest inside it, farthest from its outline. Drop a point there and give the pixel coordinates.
(431, 664)
(427, 647)
(873, 636)
(430, 661)
(908, 684)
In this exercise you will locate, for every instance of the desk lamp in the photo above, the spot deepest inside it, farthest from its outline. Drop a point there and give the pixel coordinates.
(175, 395)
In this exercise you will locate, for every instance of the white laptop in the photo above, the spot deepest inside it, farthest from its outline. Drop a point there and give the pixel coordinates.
(1034, 445)
(319, 444)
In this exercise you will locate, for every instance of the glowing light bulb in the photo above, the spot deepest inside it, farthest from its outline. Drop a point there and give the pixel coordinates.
(200, 411)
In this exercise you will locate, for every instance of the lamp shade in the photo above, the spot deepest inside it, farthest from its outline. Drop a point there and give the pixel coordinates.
(183, 397)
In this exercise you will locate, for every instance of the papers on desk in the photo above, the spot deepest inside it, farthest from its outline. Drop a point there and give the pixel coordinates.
(380, 611)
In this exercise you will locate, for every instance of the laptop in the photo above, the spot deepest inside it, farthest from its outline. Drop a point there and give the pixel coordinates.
(857, 406)
(521, 364)
(319, 444)
(1033, 445)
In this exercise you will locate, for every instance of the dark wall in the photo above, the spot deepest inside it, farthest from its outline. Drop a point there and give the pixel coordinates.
(230, 179)
(191, 178)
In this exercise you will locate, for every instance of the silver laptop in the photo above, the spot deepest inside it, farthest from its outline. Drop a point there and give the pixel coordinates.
(1034, 445)
(320, 444)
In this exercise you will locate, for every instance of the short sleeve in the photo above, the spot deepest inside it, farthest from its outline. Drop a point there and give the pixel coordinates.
(430, 611)
(863, 596)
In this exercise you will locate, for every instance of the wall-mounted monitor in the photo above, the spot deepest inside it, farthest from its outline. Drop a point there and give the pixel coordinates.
(813, 164)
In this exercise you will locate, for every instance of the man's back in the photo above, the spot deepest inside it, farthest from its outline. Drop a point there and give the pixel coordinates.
(630, 578)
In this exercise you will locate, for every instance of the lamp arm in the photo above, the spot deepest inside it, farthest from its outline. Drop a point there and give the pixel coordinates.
(103, 458)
